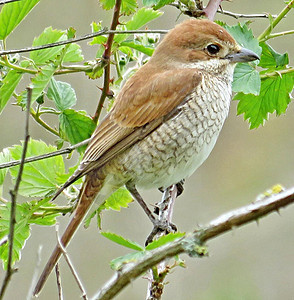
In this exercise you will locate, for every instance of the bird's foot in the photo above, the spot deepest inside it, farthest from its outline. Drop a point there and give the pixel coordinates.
(160, 227)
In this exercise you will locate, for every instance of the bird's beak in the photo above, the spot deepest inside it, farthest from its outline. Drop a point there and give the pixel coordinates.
(243, 55)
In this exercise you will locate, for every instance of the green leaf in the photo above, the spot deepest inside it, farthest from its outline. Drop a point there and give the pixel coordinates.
(139, 19)
(162, 3)
(73, 54)
(75, 126)
(137, 46)
(274, 96)
(44, 213)
(39, 178)
(120, 198)
(48, 36)
(270, 59)
(107, 4)
(164, 240)
(243, 35)
(21, 231)
(150, 2)
(62, 94)
(122, 241)
(128, 7)
(246, 79)
(4, 157)
(12, 14)
(41, 80)
(98, 39)
(9, 84)
(118, 262)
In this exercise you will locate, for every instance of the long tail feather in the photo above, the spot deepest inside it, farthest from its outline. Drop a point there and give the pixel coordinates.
(91, 188)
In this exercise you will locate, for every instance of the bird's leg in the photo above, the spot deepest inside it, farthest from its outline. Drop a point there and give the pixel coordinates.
(180, 188)
(159, 225)
(132, 189)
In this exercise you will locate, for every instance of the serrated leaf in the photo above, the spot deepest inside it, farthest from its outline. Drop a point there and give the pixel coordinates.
(9, 84)
(12, 14)
(150, 2)
(274, 96)
(41, 80)
(162, 3)
(39, 178)
(73, 54)
(120, 198)
(107, 4)
(21, 231)
(243, 35)
(139, 19)
(118, 262)
(137, 46)
(62, 94)
(75, 126)
(98, 39)
(48, 36)
(128, 7)
(122, 241)
(270, 59)
(246, 79)
(164, 240)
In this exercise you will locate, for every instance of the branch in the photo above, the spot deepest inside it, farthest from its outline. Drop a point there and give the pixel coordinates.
(246, 16)
(71, 267)
(190, 243)
(264, 36)
(211, 8)
(44, 156)
(7, 1)
(13, 194)
(106, 60)
(79, 39)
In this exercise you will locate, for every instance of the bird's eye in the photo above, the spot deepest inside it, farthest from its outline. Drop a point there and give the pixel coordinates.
(213, 48)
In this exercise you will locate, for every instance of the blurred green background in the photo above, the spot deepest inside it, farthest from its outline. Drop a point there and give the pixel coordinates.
(252, 262)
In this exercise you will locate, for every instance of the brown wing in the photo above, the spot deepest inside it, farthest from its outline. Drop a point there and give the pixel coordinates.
(139, 109)
(146, 97)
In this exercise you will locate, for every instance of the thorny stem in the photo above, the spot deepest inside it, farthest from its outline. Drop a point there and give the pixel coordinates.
(264, 36)
(13, 194)
(106, 57)
(277, 73)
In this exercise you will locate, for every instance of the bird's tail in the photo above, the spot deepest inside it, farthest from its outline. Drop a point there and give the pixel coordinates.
(89, 191)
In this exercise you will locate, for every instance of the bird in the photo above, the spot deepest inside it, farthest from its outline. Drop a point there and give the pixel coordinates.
(164, 122)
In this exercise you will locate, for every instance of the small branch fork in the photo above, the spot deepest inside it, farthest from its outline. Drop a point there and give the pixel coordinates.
(13, 194)
(191, 242)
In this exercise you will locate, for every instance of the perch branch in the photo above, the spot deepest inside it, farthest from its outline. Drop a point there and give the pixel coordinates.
(190, 242)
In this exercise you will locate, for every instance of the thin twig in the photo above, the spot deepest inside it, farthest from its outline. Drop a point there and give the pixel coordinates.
(8, 1)
(211, 8)
(106, 59)
(192, 241)
(79, 39)
(58, 280)
(263, 36)
(72, 269)
(45, 156)
(246, 16)
(13, 194)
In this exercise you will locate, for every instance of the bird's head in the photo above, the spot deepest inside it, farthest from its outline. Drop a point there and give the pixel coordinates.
(201, 44)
